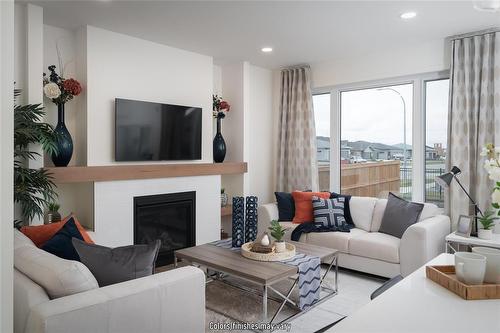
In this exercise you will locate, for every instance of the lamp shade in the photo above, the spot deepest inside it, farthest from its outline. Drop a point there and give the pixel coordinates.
(444, 180)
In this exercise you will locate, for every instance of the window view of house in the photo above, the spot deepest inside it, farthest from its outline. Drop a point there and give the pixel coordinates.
(436, 110)
(376, 141)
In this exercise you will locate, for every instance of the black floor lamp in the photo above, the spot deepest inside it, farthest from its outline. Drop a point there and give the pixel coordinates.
(445, 180)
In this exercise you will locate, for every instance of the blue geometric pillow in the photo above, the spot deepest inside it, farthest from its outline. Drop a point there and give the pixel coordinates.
(329, 213)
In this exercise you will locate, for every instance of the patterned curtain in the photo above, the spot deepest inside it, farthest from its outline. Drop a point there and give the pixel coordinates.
(474, 112)
(297, 168)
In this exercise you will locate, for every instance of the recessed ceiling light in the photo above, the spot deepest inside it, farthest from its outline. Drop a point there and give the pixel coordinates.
(487, 6)
(267, 49)
(408, 15)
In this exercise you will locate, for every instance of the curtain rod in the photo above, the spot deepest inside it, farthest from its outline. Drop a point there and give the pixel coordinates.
(474, 34)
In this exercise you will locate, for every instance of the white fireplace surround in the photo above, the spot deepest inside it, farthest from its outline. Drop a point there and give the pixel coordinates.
(114, 206)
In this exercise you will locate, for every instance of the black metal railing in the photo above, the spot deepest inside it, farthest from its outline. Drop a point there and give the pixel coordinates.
(433, 192)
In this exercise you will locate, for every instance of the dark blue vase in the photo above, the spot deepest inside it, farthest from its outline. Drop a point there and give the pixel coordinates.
(219, 144)
(64, 141)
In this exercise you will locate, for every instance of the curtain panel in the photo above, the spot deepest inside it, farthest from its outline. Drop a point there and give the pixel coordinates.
(296, 167)
(474, 114)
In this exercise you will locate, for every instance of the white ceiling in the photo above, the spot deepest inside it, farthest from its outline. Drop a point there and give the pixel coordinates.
(299, 31)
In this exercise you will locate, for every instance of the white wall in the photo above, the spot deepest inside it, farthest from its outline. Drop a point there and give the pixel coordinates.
(260, 145)
(114, 206)
(429, 56)
(120, 66)
(6, 162)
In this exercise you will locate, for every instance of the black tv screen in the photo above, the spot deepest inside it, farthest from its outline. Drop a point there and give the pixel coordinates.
(146, 131)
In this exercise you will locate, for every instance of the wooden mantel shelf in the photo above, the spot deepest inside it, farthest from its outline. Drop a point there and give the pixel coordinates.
(82, 174)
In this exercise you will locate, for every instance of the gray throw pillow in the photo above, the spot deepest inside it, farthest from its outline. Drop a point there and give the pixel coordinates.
(110, 266)
(399, 215)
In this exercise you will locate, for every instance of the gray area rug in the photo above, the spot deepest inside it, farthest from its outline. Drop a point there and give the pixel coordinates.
(227, 304)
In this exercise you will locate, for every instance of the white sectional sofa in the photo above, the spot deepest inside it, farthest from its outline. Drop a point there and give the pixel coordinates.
(365, 249)
(172, 301)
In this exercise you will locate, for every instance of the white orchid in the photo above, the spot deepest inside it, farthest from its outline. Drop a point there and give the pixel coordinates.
(52, 90)
(495, 197)
(495, 174)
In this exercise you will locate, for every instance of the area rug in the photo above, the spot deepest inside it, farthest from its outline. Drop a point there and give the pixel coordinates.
(227, 304)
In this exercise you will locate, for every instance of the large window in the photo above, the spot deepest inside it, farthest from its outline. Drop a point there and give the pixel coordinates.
(376, 141)
(383, 136)
(321, 104)
(436, 116)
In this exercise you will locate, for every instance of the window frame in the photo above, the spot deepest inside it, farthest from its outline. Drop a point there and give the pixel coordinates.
(418, 123)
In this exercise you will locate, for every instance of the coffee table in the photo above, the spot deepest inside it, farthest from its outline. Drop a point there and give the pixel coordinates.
(262, 274)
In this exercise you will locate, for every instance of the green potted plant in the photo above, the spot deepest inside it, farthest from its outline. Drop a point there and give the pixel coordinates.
(277, 232)
(33, 188)
(53, 214)
(488, 223)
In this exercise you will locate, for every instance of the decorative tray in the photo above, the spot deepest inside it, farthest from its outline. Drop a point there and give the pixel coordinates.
(273, 256)
(445, 276)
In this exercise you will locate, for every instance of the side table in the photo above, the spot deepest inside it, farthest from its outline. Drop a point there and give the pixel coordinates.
(454, 241)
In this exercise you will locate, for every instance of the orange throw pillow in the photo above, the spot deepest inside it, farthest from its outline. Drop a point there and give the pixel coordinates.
(303, 205)
(39, 234)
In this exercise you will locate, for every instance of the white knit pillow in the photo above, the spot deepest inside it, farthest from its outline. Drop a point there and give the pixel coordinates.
(59, 277)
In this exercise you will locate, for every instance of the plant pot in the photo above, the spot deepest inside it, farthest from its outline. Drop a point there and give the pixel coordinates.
(219, 145)
(223, 199)
(52, 217)
(280, 246)
(64, 142)
(485, 234)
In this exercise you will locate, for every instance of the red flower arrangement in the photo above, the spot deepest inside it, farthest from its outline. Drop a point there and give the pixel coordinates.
(220, 107)
(59, 89)
(72, 86)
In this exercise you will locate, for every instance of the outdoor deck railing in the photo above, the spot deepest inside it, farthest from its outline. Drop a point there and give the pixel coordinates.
(377, 179)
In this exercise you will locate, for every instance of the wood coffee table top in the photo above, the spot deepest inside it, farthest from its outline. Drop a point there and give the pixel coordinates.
(233, 263)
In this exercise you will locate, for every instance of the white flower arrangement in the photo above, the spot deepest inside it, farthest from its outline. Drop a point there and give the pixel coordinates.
(492, 165)
(51, 90)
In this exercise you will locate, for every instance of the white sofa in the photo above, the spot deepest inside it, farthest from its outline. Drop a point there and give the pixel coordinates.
(172, 301)
(365, 249)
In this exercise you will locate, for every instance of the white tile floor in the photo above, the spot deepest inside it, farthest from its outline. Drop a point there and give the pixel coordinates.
(354, 292)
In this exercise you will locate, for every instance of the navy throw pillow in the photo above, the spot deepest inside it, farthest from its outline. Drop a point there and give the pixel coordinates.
(347, 208)
(60, 244)
(286, 206)
(329, 213)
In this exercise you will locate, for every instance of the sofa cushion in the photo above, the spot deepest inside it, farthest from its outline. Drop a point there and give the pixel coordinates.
(59, 277)
(399, 215)
(429, 210)
(115, 265)
(303, 205)
(376, 245)
(334, 240)
(347, 207)
(39, 234)
(378, 214)
(362, 211)
(60, 244)
(286, 206)
(329, 213)
(21, 239)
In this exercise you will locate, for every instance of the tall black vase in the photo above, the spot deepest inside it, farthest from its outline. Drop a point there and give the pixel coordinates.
(64, 141)
(219, 144)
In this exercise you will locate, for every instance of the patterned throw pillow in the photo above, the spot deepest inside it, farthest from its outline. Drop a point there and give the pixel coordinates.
(329, 213)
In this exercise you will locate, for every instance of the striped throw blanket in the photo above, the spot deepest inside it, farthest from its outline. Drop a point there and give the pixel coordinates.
(309, 269)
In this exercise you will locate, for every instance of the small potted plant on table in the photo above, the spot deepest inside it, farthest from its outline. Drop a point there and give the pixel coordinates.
(488, 223)
(277, 232)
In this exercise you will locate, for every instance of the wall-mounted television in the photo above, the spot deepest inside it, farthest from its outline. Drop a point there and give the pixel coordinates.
(146, 131)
